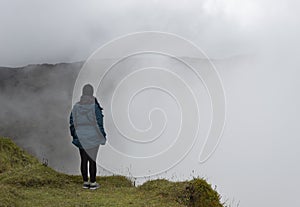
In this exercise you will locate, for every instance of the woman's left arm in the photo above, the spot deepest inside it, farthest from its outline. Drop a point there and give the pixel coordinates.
(99, 117)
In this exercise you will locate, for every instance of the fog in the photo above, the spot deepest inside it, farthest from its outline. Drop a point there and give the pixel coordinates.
(253, 44)
(68, 31)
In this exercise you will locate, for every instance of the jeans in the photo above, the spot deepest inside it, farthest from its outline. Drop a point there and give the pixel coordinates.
(88, 155)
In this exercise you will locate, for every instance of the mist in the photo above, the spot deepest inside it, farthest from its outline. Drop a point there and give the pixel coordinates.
(253, 44)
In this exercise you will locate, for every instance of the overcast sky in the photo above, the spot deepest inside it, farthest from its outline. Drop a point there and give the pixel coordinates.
(257, 161)
(35, 31)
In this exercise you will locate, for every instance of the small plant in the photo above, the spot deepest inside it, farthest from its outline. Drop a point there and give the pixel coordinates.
(45, 162)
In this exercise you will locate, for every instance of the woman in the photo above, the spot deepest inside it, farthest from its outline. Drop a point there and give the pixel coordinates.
(86, 126)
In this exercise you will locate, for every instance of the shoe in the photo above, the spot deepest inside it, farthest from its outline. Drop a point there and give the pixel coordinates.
(86, 185)
(94, 186)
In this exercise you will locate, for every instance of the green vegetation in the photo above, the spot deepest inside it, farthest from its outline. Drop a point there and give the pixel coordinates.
(26, 182)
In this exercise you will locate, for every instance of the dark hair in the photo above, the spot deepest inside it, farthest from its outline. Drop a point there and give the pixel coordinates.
(88, 90)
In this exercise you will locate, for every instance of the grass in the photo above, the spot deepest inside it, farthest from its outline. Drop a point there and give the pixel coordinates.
(26, 182)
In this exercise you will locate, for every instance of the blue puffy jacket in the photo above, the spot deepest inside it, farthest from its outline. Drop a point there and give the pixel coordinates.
(86, 125)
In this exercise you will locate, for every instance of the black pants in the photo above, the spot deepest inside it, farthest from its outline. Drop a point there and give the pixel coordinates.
(88, 155)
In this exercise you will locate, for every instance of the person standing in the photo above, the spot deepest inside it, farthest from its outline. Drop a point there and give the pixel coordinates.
(86, 127)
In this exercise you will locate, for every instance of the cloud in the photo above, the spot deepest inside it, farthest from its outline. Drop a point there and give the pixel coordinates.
(65, 31)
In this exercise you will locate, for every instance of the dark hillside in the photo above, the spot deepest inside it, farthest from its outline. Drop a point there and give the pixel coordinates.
(36, 101)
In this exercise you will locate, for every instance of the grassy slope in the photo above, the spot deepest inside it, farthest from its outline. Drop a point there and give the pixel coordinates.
(26, 182)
